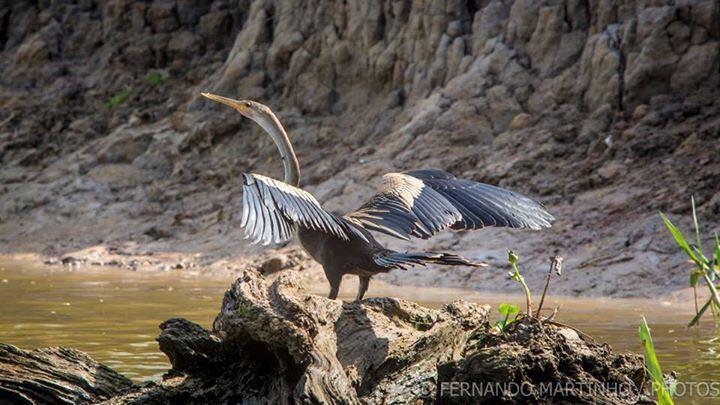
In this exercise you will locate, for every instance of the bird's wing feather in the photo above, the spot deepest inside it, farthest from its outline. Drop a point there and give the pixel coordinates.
(484, 205)
(404, 207)
(421, 203)
(272, 211)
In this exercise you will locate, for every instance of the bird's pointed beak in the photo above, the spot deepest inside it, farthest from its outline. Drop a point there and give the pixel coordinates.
(238, 105)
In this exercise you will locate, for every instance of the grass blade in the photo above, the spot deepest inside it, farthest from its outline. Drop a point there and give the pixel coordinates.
(700, 313)
(707, 263)
(680, 240)
(716, 268)
(653, 366)
(695, 223)
(713, 291)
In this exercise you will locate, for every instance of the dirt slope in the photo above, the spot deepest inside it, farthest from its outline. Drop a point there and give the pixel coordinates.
(606, 112)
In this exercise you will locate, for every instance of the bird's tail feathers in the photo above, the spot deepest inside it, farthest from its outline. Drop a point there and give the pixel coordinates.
(398, 260)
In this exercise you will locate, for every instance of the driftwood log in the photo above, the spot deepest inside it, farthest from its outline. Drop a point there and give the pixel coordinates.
(275, 343)
(55, 375)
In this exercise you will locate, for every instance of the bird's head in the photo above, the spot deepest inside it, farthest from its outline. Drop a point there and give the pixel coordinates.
(263, 116)
(257, 112)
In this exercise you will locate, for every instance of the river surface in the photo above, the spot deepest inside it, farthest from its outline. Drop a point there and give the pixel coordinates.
(113, 314)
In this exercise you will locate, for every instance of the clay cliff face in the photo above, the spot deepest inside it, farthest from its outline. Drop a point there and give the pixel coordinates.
(606, 111)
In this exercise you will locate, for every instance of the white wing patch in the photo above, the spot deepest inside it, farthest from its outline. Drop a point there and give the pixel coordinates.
(405, 207)
(405, 188)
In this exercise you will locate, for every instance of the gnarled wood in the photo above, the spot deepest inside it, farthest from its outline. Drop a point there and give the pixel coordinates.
(55, 375)
(275, 343)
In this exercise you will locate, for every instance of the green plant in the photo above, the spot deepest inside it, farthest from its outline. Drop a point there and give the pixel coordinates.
(515, 275)
(117, 99)
(508, 310)
(555, 267)
(707, 269)
(156, 78)
(662, 390)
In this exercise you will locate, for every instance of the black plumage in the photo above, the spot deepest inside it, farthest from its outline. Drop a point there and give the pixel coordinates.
(272, 211)
(439, 201)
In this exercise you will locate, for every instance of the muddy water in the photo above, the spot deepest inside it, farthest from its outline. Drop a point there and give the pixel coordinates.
(114, 314)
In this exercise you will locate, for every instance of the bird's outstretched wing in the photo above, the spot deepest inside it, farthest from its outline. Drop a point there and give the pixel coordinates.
(404, 207)
(272, 211)
(421, 203)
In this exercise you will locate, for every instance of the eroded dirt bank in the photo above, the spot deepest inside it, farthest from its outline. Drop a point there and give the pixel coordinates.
(605, 112)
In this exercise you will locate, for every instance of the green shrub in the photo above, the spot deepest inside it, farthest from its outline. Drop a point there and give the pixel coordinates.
(117, 99)
(156, 78)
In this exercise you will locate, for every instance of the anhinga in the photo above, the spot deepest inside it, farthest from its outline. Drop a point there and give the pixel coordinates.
(416, 203)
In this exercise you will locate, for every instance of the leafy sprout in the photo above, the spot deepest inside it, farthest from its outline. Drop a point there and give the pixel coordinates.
(508, 310)
(516, 276)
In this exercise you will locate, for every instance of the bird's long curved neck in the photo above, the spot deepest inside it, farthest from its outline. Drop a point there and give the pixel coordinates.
(272, 126)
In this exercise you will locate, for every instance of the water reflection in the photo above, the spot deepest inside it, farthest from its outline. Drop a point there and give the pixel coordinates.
(111, 314)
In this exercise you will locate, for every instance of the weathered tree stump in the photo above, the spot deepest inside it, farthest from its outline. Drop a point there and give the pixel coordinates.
(275, 343)
(55, 375)
(382, 348)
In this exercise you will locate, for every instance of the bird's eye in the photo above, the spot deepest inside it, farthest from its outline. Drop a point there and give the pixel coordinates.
(247, 104)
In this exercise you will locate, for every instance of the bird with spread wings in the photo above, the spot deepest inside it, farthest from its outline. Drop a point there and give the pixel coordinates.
(415, 203)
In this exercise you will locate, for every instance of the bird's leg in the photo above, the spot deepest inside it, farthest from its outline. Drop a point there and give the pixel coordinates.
(334, 289)
(334, 278)
(362, 287)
